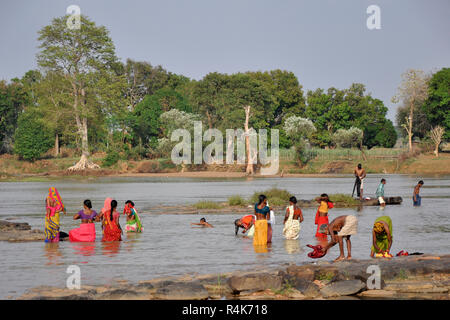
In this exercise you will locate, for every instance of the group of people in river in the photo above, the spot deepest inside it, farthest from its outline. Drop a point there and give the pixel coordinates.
(257, 225)
(108, 216)
(340, 229)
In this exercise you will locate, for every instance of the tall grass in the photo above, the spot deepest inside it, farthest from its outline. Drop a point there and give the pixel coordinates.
(275, 196)
(237, 200)
(207, 205)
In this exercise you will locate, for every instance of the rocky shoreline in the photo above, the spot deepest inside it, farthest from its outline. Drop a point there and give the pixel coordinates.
(406, 277)
(19, 231)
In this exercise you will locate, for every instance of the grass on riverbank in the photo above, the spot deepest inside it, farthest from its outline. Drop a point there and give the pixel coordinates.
(207, 205)
(276, 197)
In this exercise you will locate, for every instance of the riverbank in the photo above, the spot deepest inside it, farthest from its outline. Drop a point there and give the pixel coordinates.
(406, 277)
(12, 169)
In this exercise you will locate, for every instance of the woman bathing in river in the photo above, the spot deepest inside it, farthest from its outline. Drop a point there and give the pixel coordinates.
(322, 214)
(246, 223)
(111, 226)
(381, 236)
(86, 231)
(53, 206)
(263, 230)
(133, 221)
(292, 220)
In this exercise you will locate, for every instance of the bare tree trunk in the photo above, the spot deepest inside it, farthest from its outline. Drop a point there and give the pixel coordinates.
(56, 145)
(410, 134)
(82, 126)
(249, 170)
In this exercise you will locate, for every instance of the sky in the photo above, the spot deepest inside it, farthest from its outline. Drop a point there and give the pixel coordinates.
(324, 43)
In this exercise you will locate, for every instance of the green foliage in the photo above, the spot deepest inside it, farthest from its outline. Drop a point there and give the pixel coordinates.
(112, 157)
(348, 138)
(343, 199)
(275, 196)
(32, 139)
(325, 276)
(207, 205)
(145, 120)
(237, 200)
(437, 105)
(13, 96)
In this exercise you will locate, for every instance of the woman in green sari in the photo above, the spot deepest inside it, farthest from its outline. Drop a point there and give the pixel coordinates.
(381, 236)
(133, 221)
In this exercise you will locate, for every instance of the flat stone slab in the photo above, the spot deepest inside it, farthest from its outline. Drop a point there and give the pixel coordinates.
(254, 282)
(342, 288)
(182, 291)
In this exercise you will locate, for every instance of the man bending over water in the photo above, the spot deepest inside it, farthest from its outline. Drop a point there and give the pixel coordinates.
(340, 228)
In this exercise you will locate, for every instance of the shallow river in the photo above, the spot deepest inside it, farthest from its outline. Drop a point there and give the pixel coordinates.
(170, 246)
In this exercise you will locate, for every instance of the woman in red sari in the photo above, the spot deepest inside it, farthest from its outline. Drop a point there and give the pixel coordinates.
(111, 227)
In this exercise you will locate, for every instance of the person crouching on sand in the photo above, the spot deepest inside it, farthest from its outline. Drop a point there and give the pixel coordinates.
(340, 228)
(202, 223)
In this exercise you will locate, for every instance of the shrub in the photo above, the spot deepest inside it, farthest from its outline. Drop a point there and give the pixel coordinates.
(275, 196)
(207, 205)
(236, 200)
(32, 139)
(111, 158)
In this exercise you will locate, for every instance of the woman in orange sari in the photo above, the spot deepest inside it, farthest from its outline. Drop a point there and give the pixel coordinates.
(111, 227)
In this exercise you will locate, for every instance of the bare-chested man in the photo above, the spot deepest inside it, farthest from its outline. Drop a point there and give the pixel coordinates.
(360, 174)
(417, 199)
(339, 228)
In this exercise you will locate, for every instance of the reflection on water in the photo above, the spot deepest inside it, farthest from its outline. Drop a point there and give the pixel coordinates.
(53, 253)
(171, 247)
(111, 249)
(84, 248)
(292, 246)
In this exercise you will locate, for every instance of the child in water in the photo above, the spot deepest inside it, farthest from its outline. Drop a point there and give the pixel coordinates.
(202, 223)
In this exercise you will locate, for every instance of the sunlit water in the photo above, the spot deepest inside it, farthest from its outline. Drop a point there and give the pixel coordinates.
(170, 246)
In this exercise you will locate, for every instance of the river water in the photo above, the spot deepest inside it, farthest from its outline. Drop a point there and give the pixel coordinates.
(170, 246)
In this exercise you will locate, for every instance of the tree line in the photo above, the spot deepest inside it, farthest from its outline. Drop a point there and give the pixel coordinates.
(83, 97)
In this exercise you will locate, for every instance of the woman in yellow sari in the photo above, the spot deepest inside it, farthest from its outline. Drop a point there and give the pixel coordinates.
(54, 206)
(262, 212)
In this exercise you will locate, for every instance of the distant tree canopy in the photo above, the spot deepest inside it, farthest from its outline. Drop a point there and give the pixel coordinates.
(85, 98)
(343, 109)
(437, 106)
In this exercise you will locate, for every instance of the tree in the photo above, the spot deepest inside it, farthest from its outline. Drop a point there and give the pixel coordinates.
(348, 138)
(145, 118)
(84, 57)
(31, 137)
(436, 135)
(299, 130)
(437, 105)
(412, 92)
(13, 98)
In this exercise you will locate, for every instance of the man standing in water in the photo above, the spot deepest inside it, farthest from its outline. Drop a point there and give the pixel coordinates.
(417, 199)
(360, 174)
